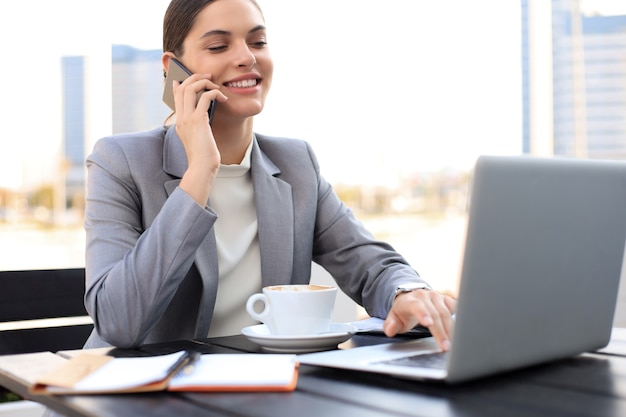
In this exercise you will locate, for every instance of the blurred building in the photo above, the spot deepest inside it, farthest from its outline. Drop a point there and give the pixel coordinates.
(137, 79)
(137, 89)
(574, 81)
(574, 102)
(73, 79)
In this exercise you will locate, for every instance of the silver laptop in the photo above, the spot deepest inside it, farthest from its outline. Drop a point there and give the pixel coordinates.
(540, 275)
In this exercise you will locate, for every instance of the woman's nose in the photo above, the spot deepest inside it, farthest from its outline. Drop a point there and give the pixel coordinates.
(247, 58)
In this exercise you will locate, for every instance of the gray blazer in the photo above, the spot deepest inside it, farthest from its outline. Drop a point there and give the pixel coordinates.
(151, 260)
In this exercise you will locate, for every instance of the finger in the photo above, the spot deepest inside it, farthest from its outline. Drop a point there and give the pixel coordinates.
(448, 326)
(439, 332)
(398, 323)
(190, 96)
(192, 84)
(423, 307)
(209, 95)
(177, 91)
(391, 325)
(442, 332)
(205, 92)
(406, 313)
(435, 308)
(210, 85)
(445, 309)
(450, 304)
(201, 82)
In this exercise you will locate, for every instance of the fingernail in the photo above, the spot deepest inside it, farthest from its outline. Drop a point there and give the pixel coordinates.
(445, 345)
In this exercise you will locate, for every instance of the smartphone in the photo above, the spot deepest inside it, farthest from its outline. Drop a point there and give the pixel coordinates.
(178, 72)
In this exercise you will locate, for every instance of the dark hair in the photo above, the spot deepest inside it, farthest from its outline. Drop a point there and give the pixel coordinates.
(178, 20)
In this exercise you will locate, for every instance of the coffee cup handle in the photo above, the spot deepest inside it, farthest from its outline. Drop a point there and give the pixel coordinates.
(264, 315)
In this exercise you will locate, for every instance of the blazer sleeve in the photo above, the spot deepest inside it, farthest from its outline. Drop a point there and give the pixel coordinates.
(366, 269)
(132, 269)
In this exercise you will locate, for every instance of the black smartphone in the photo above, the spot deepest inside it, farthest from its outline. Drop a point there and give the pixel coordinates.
(178, 72)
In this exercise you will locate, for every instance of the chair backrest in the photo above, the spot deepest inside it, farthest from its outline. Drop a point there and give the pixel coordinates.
(43, 310)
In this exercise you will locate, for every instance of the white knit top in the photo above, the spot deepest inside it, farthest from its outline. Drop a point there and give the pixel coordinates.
(232, 198)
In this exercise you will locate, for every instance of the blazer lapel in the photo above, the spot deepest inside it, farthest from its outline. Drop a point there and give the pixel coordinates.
(175, 164)
(274, 206)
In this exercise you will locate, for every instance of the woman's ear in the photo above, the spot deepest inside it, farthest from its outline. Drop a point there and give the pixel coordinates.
(165, 61)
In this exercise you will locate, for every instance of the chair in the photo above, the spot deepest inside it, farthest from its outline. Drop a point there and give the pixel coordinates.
(43, 310)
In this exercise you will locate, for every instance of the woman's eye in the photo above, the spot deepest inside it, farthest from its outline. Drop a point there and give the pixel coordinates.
(259, 44)
(217, 48)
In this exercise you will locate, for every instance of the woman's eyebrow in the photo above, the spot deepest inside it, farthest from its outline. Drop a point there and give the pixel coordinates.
(225, 32)
(257, 28)
(213, 33)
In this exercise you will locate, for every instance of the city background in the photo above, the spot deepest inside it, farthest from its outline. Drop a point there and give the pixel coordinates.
(398, 100)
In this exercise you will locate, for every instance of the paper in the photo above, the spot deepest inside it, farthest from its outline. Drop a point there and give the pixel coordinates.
(29, 367)
(375, 325)
(237, 371)
(372, 324)
(100, 374)
(68, 374)
(89, 373)
(125, 373)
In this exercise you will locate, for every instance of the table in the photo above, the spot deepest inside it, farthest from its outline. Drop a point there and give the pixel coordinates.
(592, 384)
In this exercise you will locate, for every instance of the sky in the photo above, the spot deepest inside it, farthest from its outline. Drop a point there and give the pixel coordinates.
(379, 88)
(603, 7)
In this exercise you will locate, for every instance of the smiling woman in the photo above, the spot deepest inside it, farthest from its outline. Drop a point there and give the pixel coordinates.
(384, 87)
(228, 210)
(395, 97)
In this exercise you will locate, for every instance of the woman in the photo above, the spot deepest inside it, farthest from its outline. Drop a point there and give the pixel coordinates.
(185, 222)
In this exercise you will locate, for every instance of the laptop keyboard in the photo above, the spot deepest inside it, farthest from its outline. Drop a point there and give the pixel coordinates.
(435, 360)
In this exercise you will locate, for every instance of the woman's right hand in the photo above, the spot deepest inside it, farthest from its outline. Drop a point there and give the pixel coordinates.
(194, 130)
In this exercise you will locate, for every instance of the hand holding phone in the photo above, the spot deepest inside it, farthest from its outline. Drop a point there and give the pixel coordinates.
(177, 71)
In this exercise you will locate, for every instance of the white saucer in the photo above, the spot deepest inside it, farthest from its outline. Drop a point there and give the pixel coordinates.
(338, 333)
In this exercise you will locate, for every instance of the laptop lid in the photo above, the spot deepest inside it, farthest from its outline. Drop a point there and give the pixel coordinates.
(541, 267)
(543, 257)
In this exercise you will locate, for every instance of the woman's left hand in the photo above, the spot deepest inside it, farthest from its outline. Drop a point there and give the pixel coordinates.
(431, 309)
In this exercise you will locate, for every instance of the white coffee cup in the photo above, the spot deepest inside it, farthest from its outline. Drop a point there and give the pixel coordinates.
(291, 310)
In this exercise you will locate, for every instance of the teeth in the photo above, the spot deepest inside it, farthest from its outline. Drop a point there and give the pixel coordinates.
(243, 84)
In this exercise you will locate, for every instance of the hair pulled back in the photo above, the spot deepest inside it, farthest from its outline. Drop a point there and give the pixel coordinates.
(178, 21)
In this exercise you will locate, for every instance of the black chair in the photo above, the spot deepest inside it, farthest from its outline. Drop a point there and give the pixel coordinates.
(42, 310)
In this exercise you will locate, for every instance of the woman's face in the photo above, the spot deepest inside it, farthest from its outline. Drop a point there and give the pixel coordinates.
(228, 41)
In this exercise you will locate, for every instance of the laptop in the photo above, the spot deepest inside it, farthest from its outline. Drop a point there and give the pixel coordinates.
(539, 278)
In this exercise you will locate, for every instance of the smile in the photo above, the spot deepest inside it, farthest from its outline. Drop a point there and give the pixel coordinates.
(242, 84)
